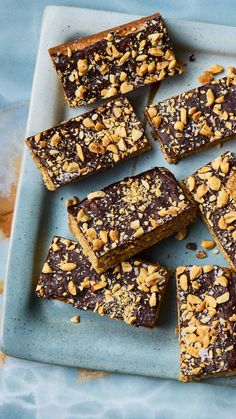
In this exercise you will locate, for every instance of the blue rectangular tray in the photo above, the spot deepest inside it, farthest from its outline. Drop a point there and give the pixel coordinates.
(41, 330)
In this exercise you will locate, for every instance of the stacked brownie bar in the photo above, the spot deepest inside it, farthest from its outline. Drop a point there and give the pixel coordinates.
(115, 61)
(88, 143)
(131, 291)
(207, 321)
(128, 216)
(195, 120)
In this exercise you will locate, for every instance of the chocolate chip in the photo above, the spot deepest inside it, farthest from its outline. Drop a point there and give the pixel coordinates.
(191, 246)
(192, 57)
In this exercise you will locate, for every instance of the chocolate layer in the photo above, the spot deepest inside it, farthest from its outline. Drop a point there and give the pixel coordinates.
(213, 188)
(207, 321)
(196, 119)
(88, 143)
(132, 291)
(130, 215)
(115, 61)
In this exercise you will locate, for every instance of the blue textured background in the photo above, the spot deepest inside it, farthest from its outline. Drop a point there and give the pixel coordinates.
(31, 390)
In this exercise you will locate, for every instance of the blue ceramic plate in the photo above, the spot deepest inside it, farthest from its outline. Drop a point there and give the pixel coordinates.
(41, 330)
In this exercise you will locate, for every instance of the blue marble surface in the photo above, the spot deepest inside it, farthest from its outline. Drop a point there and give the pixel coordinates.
(31, 390)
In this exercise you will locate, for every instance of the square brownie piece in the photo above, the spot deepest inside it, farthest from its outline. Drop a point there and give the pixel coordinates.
(213, 189)
(115, 61)
(129, 216)
(195, 120)
(131, 291)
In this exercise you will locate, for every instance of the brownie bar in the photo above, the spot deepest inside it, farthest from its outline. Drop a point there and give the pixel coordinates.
(88, 143)
(115, 61)
(195, 120)
(132, 291)
(207, 321)
(128, 216)
(213, 188)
